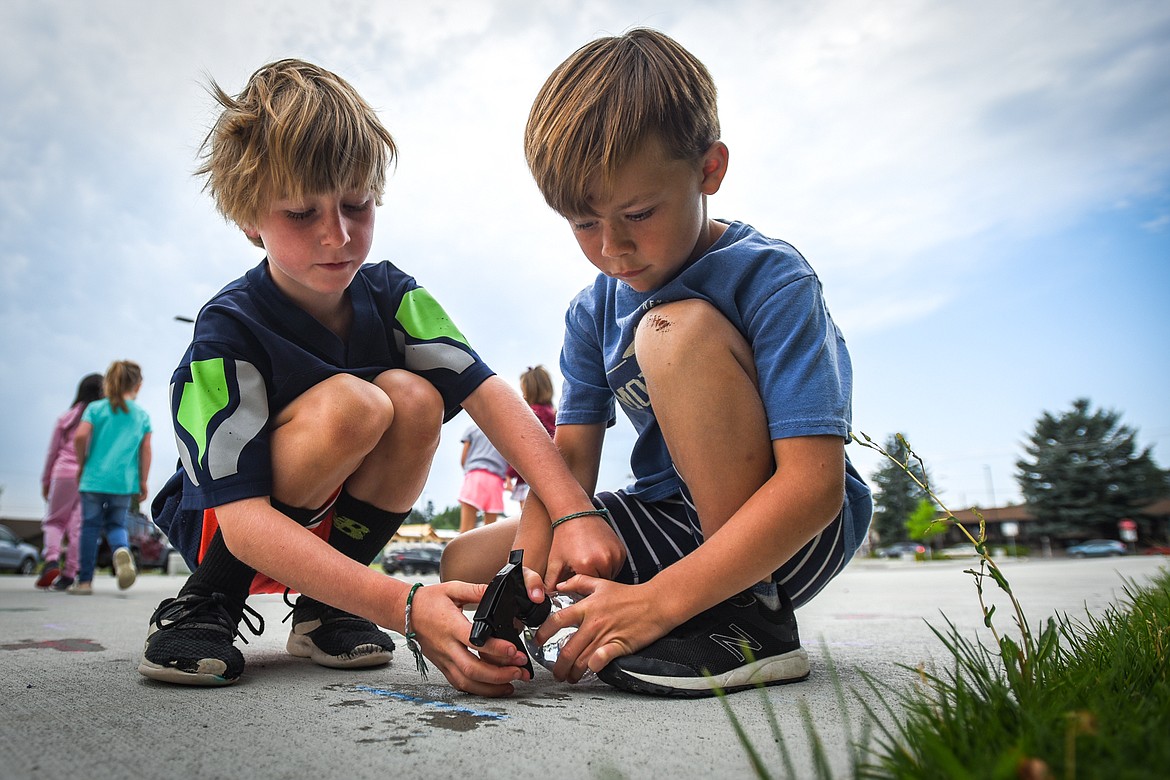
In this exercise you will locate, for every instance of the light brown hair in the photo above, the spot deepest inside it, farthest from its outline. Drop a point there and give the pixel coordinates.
(608, 98)
(536, 386)
(122, 378)
(296, 130)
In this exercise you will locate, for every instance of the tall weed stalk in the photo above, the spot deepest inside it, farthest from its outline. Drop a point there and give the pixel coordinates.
(1083, 699)
(1022, 656)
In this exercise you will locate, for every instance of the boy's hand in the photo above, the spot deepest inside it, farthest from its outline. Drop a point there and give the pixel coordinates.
(444, 633)
(585, 545)
(614, 620)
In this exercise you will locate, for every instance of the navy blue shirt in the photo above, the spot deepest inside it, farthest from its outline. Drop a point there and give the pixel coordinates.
(254, 351)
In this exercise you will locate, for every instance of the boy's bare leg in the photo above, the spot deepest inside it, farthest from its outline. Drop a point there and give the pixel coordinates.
(701, 379)
(376, 437)
(477, 555)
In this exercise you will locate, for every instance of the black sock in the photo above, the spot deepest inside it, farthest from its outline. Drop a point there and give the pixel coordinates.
(221, 572)
(361, 530)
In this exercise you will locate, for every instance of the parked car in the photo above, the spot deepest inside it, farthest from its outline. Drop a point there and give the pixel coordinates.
(412, 560)
(16, 554)
(149, 546)
(961, 550)
(898, 549)
(1097, 548)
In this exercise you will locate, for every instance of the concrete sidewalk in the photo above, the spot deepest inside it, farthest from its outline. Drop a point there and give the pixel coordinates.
(74, 704)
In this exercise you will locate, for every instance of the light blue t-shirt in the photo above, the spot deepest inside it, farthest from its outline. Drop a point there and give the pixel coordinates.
(481, 454)
(768, 291)
(111, 465)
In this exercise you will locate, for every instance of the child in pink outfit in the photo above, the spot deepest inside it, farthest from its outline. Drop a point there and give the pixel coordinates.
(59, 488)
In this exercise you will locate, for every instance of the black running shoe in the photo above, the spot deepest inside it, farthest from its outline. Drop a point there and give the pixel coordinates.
(62, 583)
(735, 645)
(337, 639)
(190, 641)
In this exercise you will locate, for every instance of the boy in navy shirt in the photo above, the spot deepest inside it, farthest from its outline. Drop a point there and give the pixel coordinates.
(307, 408)
(717, 344)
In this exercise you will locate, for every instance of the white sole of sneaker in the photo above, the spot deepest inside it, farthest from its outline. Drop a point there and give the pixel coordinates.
(168, 674)
(361, 657)
(124, 568)
(787, 668)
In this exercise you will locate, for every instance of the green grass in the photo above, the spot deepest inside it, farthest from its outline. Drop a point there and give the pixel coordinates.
(1084, 698)
(1095, 704)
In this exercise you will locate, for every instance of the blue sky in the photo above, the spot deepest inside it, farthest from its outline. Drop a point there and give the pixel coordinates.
(981, 187)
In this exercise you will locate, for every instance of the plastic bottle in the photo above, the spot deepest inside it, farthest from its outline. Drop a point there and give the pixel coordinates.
(546, 655)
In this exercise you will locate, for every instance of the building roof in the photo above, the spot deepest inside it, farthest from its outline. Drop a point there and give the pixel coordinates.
(1013, 513)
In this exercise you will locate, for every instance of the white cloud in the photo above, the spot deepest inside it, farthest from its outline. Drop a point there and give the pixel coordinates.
(886, 141)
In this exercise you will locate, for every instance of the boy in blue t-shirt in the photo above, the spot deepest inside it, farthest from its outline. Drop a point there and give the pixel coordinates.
(307, 408)
(717, 344)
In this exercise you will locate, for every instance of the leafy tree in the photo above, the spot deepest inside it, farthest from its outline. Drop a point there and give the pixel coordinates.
(1083, 472)
(923, 523)
(896, 495)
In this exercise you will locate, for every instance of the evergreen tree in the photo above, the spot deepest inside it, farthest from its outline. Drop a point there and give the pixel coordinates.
(448, 519)
(896, 495)
(1083, 472)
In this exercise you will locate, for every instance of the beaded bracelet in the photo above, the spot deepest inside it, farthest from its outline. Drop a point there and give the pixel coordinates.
(598, 512)
(411, 637)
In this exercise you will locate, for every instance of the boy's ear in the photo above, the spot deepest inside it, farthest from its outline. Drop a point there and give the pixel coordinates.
(253, 235)
(714, 167)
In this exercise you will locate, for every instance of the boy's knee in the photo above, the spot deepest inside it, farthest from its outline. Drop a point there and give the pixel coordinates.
(414, 401)
(410, 391)
(347, 407)
(670, 333)
(459, 560)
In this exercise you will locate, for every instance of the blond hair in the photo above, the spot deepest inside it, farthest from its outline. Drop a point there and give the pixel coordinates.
(122, 378)
(536, 386)
(608, 98)
(295, 130)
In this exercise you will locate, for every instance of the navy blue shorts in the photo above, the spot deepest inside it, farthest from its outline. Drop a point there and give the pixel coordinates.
(658, 533)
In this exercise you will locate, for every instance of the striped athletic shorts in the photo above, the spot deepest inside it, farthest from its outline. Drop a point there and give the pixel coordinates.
(658, 533)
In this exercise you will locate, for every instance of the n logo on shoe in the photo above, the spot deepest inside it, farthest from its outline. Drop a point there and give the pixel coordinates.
(737, 645)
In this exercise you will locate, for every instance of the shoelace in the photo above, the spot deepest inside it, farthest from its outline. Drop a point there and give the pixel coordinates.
(328, 614)
(197, 608)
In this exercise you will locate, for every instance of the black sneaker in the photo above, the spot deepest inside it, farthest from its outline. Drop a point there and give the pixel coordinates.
(333, 638)
(190, 641)
(62, 583)
(735, 645)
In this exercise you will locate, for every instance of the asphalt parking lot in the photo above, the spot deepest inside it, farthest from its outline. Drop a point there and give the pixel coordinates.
(74, 704)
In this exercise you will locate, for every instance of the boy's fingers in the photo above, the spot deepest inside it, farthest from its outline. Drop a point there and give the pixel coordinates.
(534, 585)
(554, 623)
(464, 593)
(501, 652)
(580, 583)
(604, 654)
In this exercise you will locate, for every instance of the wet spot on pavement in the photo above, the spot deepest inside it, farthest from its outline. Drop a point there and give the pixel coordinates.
(63, 645)
(454, 721)
(436, 713)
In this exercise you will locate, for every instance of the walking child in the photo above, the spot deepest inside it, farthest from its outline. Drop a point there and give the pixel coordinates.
(716, 342)
(536, 389)
(112, 443)
(62, 523)
(308, 406)
(484, 471)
